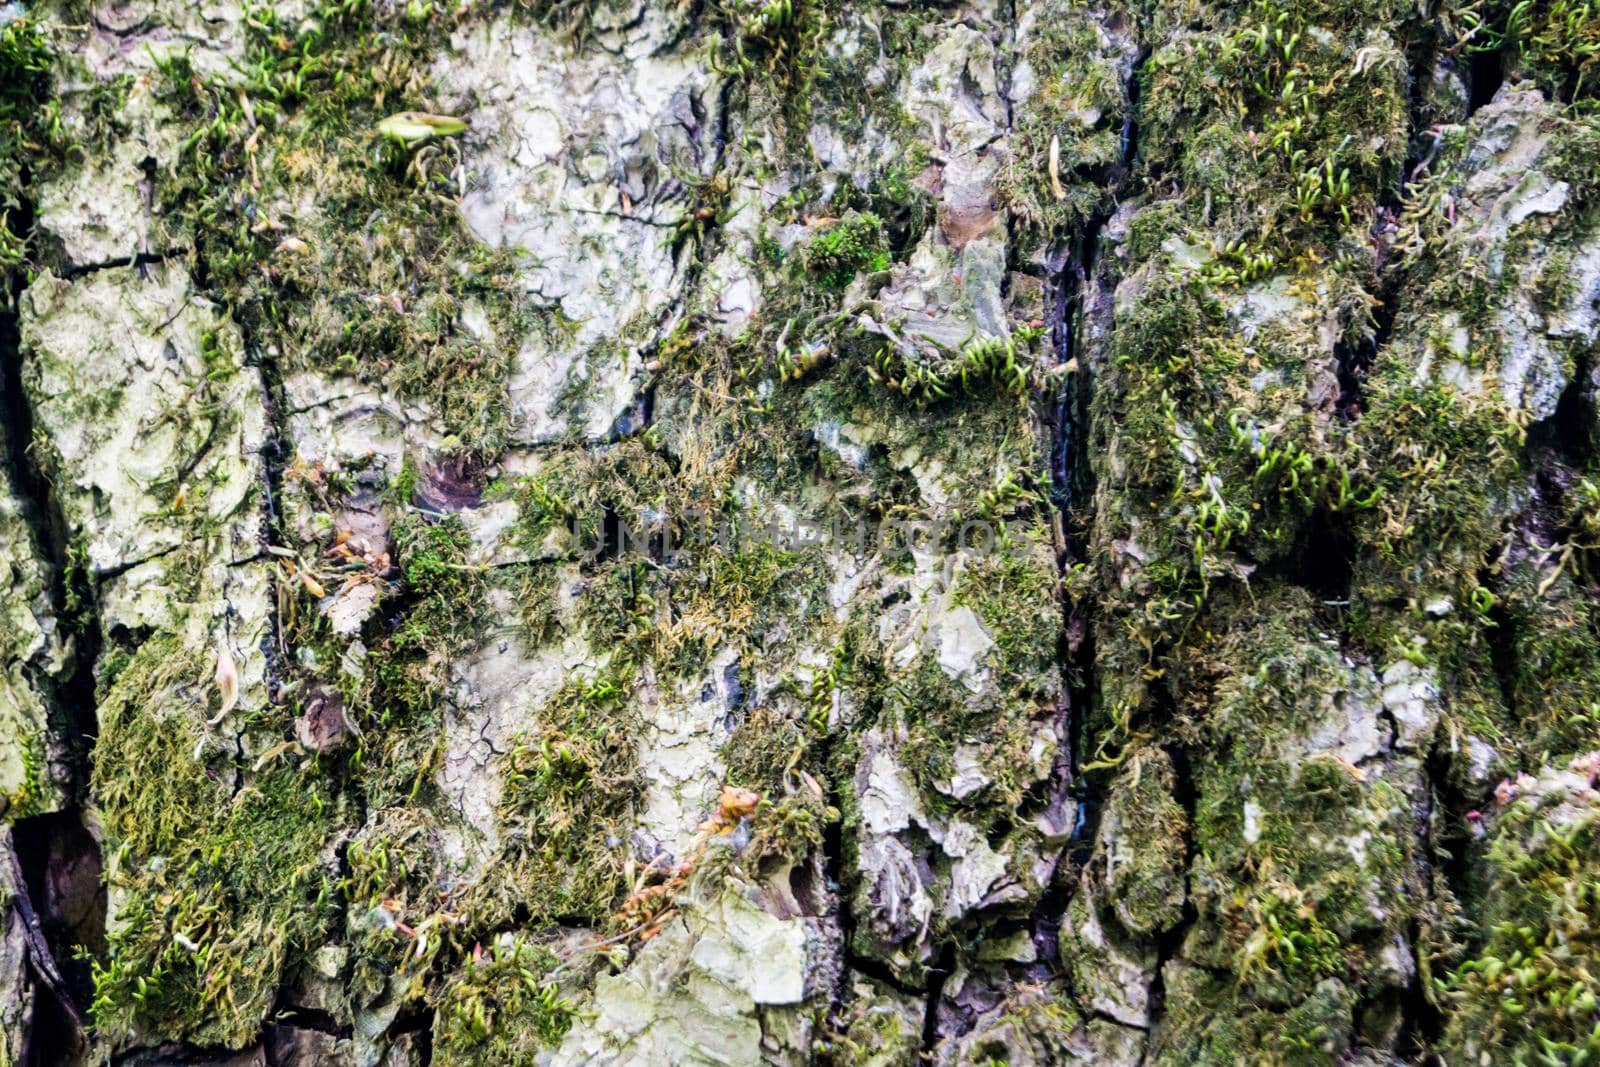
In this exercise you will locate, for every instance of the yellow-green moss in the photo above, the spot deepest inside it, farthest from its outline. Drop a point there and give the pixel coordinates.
(501, 1008)
(1528, 994)
(219, 875)
(572, 787)
(271, 177)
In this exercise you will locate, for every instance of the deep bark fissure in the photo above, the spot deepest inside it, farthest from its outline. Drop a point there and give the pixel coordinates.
(57, 1003)
(1416, 1023)
(836, 874)
(1353, 358)
(274, 459)
(70, 696)
(139, 261)
(877, 970)
(1071, 468)
(1421, 1021)
(1323, 559)
(58, 861)
(176, 1053)
(1569, 431)
(40, 846)
(1486, 72)
(939, 973)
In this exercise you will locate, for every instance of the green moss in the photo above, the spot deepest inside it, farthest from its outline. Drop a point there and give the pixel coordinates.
(1068, 138)
(383, 302)
(1555, 666)
(837, 253)
(1147, 881)
(771, 47)
(402, 488)
(1215, 466)
(1272, 123)
(408, 666)
(393, 675)
(403, 924)
(761, 752)
(1555, 42)
(868, 1035)
(577, 487)
(728, 579)
(1209, 1023)
(1036, 1021)
(501, 1008)
(1003, 362)
(30, 793)
(1015, 590)
(217, 890)
(31, 135)
(1301, 874)
(1449, 466)
(572, 787)
(1528, 993)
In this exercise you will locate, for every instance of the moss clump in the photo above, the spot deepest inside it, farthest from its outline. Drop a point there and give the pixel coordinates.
(406, 921)
(1556, 43)
(279, 164)
(1450, 467)
(1270, 119)
(1068, 139)
(1528, 994)
(398, 698)
(761, 751)
(501, 1008)
(1209, 1023)
(869, 1033)
(1002, 731)
(215, 889)
(393, 676)
(1146, 882)
(1212, 467)
(1301, 878)
(31, 134)
(1035, 1024)
(774, 43)
(31, 757)
(1015, 590)
(572, 787)
(443, 598)
(1554, 671)
(855, 243)
(627, 512)
(1006, 364)
(577, 489)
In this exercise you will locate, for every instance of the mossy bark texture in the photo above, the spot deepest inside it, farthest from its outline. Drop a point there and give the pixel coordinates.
(616, 531)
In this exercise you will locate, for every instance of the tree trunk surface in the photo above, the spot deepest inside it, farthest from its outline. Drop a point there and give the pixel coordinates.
(721, 532)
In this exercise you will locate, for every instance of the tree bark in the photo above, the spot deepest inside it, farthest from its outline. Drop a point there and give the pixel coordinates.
(812, 532)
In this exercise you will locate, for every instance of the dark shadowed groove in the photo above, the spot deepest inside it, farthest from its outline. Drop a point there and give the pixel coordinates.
(1072, 469)
(939, 973)
(275, 455)
(73, 271)
(1421, 1020)
(58, 863)
(1568, 434)
(1486, 72)
(40, 844)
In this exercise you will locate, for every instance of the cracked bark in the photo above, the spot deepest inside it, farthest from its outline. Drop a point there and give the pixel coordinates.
(999, 883)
